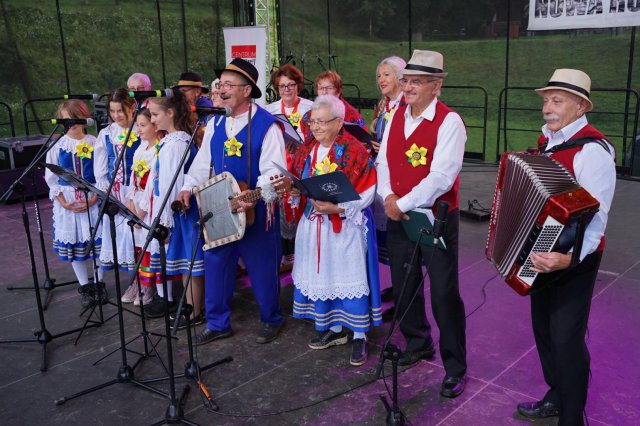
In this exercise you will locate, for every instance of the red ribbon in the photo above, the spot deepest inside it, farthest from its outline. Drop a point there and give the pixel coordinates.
(319, 219)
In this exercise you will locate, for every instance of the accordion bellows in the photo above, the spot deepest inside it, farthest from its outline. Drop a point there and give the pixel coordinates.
(535, 198)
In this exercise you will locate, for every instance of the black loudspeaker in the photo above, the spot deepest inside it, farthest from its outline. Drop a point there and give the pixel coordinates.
(15, 155)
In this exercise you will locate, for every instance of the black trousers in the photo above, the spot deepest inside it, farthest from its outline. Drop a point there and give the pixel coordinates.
(447, 306)
(559, 314)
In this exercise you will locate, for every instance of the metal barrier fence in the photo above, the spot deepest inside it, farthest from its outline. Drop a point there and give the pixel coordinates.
(10, 122)
(371, 103)
(626, 148)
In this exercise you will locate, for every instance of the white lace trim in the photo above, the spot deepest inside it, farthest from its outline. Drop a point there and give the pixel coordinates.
(357, 217)
(334, 291)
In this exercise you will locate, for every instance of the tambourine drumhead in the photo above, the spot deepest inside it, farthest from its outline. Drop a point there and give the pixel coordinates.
(225, 226)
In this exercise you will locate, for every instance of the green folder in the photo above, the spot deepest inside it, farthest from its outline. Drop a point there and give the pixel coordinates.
(421, 219)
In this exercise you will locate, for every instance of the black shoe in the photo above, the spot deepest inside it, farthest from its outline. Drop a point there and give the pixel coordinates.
(359, 352)
(86, 294)
(207, 336)
(328, 338)
(538, 409)
(182, 322)
(452, 386)
(268, 333)
(102, 295)
(155, 308)
(411, 357)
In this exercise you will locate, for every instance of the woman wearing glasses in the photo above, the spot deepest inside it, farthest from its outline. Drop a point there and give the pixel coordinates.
(333, 290)
(330, 83)
(288, 80)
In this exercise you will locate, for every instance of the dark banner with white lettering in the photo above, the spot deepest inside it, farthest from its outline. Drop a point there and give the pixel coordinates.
(568, 14)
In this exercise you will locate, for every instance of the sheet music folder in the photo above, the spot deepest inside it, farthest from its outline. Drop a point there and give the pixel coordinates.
(291, 137)
(332, 187)
(420, 219)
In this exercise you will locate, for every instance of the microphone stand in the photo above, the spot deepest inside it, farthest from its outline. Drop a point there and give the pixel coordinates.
(125, 373)
(191, 369)
(395, 417)
(49, 283)
(42, 336)
(144, 333)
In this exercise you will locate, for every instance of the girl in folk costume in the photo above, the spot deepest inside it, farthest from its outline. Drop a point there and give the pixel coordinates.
(143, 161)
(289, 82)
(387, 77)
(173, 116)
(71, 223)
(332, 289)
(111, 141)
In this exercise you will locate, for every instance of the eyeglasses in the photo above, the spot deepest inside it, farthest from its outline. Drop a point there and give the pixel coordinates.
(137, 88)
(325, 89)
(416, 82)
(227, 85)
(321, 123)
(289, 86)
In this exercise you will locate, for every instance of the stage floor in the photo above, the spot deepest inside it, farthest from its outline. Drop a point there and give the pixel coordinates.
(285, 382)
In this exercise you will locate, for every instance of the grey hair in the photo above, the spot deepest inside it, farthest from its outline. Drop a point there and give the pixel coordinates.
(395, 62)
(141, 77)
(213, 84)
(329, 101)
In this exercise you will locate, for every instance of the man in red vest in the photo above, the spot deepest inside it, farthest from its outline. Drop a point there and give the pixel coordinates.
(560, 311)
(418, 166)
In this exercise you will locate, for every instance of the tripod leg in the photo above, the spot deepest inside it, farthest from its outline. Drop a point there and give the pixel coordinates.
(64, 399)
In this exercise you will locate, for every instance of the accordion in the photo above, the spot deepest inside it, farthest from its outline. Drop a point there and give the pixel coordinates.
(537, 207)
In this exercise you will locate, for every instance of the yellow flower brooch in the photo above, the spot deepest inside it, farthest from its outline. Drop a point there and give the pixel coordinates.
(84, 150)
(232, 147)
(132, 138)
(325, 166)
(141, 168)
(294, 119)
(417, 156)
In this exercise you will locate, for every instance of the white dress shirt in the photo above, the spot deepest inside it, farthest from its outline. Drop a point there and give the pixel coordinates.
(273, 151)
(596, 172)
(446, 160)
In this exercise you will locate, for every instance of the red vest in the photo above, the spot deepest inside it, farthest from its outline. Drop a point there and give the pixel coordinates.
(402, 174)
(566, 156)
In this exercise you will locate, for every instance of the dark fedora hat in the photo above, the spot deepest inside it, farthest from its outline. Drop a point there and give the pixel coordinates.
(191, 79)
(247, 70)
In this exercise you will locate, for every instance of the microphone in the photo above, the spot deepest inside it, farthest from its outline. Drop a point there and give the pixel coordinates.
(91, 97)
(441, 221)
(204, 219)
(203, 110)
(68, 122)
(145, 94)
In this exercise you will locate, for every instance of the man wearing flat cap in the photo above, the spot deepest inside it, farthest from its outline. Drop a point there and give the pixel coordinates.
(419, 164)
(246, 144)
(560, 311)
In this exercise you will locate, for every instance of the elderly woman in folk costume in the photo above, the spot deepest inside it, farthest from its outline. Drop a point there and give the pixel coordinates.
(330, 83)
(332, 290)
(387, 77)
(289, 82)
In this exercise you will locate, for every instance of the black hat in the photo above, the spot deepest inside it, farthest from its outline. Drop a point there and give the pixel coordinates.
(191, 79)
(248, 71)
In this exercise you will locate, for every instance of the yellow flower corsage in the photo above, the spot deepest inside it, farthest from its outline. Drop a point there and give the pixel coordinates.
(294, 119)
(84, 150)
(232, 147)
(325, 166)
(132, 138)
(417, 156)
(141, 168)
(388, 115)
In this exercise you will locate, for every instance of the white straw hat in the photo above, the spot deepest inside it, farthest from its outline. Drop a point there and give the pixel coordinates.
(572, 81)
